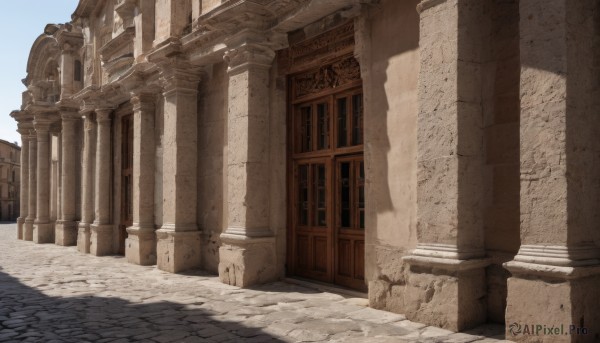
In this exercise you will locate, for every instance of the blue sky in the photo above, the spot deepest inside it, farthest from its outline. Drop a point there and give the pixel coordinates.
(21, 22)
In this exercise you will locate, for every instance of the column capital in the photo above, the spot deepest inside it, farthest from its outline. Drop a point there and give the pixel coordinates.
(103, 114)
(69, 42)
(249, 55)
(70, 114)
(143, 101)
(86, 112)
(42, 125)
(180, 77)
(25, 129)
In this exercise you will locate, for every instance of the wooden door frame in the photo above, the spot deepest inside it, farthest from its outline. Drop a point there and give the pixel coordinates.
(331, 155)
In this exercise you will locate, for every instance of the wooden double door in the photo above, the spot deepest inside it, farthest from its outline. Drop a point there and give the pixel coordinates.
(327, 179)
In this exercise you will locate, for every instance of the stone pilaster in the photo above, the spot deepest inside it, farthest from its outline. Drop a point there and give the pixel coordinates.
(140, 245)
(70, 43)
(101, 237)
(24, 191)
(144, 28)
(32, 191)
(43, 231)
(556, 274)
(87, 181)
(445, 283)
(247, 256)
(67, 71)
(178, 240)
(66, 226)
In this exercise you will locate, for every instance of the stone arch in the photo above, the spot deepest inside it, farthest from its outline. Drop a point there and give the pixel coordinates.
(43, 67)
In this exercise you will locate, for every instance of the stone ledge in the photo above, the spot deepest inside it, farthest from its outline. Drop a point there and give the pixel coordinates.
(231, 238)
(141, 231)
(447, 263)
(427, 4)
(447, 251)
(518, 268)
(559, 256)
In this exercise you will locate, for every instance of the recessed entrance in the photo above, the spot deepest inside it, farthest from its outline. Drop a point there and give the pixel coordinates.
(326, 174)
(126, 219)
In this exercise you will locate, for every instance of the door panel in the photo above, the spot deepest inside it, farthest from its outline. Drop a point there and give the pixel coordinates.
(349, 232)
(313, 234)
(326, 174)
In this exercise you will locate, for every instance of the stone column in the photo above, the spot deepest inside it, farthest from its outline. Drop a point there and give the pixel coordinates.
(101, 239)
(247, 256)
(556, 273)
(32, 192)
(445, 283)
(43, 232)
(24, 191)
(87, 181)
(178, 240)
(66, 227)
(140, 245)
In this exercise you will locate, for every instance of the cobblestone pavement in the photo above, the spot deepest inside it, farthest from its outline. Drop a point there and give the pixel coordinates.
(55, 294)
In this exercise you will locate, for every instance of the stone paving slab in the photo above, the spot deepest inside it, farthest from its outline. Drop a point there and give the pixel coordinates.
(50, 293)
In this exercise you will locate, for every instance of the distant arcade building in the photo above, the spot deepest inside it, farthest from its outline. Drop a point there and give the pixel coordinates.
(440, 156)
(10, 170)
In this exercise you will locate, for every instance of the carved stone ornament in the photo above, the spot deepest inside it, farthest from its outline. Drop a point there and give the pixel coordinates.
(325, 47)
(332, 75)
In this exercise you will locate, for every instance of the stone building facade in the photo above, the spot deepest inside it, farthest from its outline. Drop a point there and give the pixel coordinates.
(440, 155)
(10, 160)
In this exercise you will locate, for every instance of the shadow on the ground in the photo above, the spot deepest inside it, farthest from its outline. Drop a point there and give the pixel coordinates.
(27, 315)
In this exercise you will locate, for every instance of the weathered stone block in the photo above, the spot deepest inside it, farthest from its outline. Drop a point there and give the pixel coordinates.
(84, 239)
(43, 233)
(20, 224)
(245, 264)
(101, 240)
(178, 251)
(66, 233)
(571, 305)
(140, 246)
(450, 300)
(28, 230)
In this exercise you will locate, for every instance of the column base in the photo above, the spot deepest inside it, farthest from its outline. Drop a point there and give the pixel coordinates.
(66, 233)
(101, 239)
(28, 230)
(177, 251)
(43, 233)
(245, 261)
(447, 293)
(20, 224)
(83, 238)
(140, 246)
(552, 303)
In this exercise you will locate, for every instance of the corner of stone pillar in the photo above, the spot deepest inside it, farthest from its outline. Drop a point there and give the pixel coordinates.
(101, 242)
(140, 246)
(548, 288)
(443, 291)
(65, 233)
(28, 230)
(83, 238)
(20, 224)
(247, 261)
(43, 233)
(178, 251)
